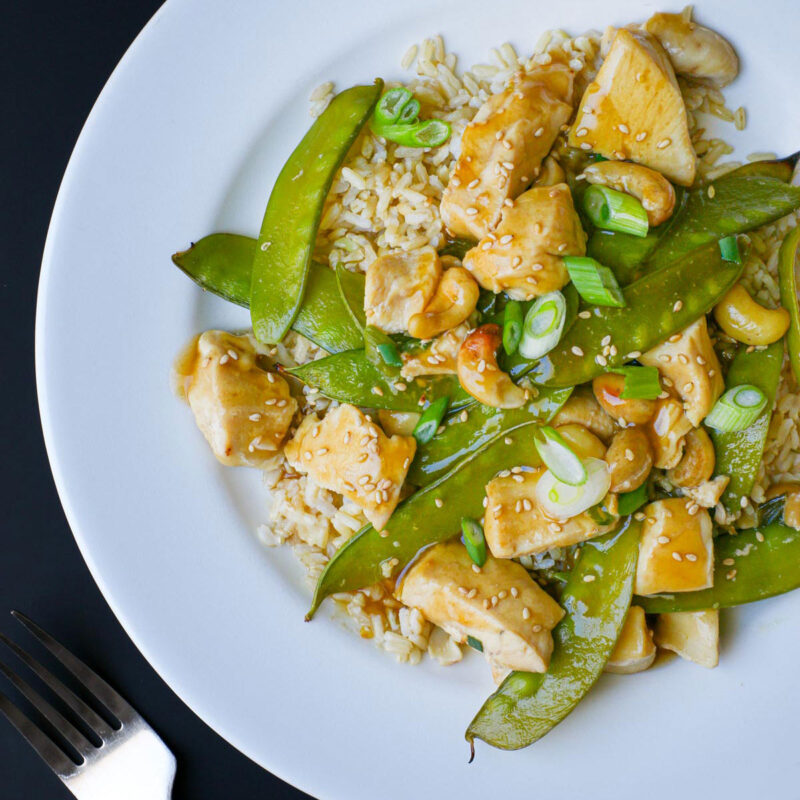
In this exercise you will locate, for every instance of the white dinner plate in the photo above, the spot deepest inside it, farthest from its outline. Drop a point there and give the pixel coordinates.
(186, 139)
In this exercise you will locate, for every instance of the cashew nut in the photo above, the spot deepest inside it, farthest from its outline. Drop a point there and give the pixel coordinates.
(629, 459)
(454, 300)
(697, 464)
(552, 173)
(582, 441)
(791, 508)
(584, 410)
(479, 374)
(746, 321)
(695, 51)
(607, 389)
(667, 432)
(649, 187)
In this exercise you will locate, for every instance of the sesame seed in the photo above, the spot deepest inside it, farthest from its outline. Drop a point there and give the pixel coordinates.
(585, 146)
(224, 359)
(691, 557)
(526, 613)
(641, 136)
(639, 516)
(581, 132)
(664, 143)
(507, 144)
(623, 128)
(516, 261)
(456, 181)
(439, 502)
(629, 456)
(688, 387)
(506, 239)
(537, 628)
(280, 403)
(471, 211)
(463, 416)
(683, 358)
(518, 506)
(537, 267)
(677, 556)
(482, 366)
(759, 536)
(508, 440)
(270, 377)
(406, 463)
(400, 386)
(377, 390)
(508, 165)
(692, 509)
(526, 504)
(514, 591)
(633, 354)
(585, 314)
(364, 479)
(676, 337)
(254, 417)
(476, 569)
(606, 339)
(486, 246)
(728, 562)
(743, 502)
(471, 593)
(589, 578)
(678, 306)
(663, 540)
(577, 350)
(473, 184)
(601, 360)
(731, 575)
(711, 192)
(538, 132)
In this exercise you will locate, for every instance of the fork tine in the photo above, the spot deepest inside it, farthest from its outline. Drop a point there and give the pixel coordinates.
(53, 756)
(91, 681)
(89, 717)
(62, 725)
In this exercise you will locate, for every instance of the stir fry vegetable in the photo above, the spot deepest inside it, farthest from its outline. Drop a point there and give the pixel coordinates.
(474, 540)
(558, 457)
(430, 421)
(544, 325)
(351, 290)
(611, 210)
(787, 274)
(737, 409)
(395, 119)
(595, 283)
(289, 228)
(512, 326)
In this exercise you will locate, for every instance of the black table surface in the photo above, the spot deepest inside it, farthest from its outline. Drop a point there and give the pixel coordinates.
(56, 56)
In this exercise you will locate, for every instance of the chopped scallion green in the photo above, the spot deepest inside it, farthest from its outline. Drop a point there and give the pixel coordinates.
(410, 112)
(641, 383)
(595, 283)
(392, 104)
(475, 644)
(729, 249)
(381, 350)
(544, 324)
(628, 502)
(426, 133)
(474, 540)
(512, 326)
(611, 210)
(430, 420)
(737, 409)
(558, 457)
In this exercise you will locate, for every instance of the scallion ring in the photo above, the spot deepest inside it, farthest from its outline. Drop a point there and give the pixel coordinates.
(474, 540)
(381, 350)
(737, 409)
(559, 458)
(512, 326)
(392, 104)
(430, 421)
(641, 383)
(611, 210)
(543, 326)
(595, 283)
(729, 250)
(410, 112)
(426, 133)
(562, 501)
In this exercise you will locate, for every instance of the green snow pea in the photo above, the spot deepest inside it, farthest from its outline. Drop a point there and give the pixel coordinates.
(787, 274)
(420, 520)
(621, 252)
(351, 290)
(739, 453)
(458, 248)
(766, 562)
(289, 228)
(528, 705)
(484, 424)
(657, 305)
(222, 262)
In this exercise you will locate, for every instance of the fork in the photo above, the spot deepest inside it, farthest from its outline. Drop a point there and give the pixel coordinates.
(129, 763)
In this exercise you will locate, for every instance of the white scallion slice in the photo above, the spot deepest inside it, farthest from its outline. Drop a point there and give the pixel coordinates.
(737, 409)
(559, 458)
(562, 501)
(543, 326)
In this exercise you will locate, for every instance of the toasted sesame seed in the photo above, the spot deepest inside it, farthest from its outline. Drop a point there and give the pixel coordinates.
(471, 211)
(585, 314)
(476, 568)
(759, 536)
(581, 131)
(585, 146)
(677, 556)
(678, 306)
(664, 143)
(526, 613)
(629, 456)
(471, 593)
(377, 390)
(601, 360)
(508, 440)
(254, 417)
(589, 578)
(641, 136)
(538, 132)
(439, 502)
(623, 128)
(711, 192)
(514, 591)
(663, 540)
(506, 238)
(482, 366)
(731, 575)
(691, 557)
(224, 359)
(576, 350)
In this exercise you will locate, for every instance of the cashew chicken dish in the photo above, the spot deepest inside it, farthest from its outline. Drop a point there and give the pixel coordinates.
(522, 367)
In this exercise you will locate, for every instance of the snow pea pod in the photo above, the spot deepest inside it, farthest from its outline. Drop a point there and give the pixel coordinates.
(421, 520)
(222, 262)
(289, 228)
(621, 252)
(657, 305)
(350, 377)
(596, 599)
(739, 453)
(351, 290)
(751, 565)
(483, 425)
(787, 274)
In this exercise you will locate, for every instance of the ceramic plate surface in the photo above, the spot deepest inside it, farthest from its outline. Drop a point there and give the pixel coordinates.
(187, 138)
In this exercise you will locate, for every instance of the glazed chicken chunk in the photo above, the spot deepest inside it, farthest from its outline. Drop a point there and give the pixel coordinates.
(693, 635)
(440, 357)
(243, 411)
(516, 526)
(634, 650)
(502, 149)
(347, 453)
(634, 110)
(688, 360)
(524, 255)
(500, 605)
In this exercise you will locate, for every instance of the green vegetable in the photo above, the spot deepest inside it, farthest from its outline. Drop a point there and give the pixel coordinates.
(766, 562)
(787, 274)
(729, 249)
(622, 253)
(737, 409)
(562, 500)
(429, 422)
(426, 133)
(739, 453)
(381, 351)
(528, 705)
(289, 228)
(391, 105)
(420, 520)
(652, 314)
(458, 248)
(544, 325)
(410, 112)
(484, 424)
(350, 377)
(512, 326)
(475, 644)
(558, 457)
(595, 283)
(628, 502)
(351, 289)
(641, 383)
(611, 210)
(222, 262)
(474, 540)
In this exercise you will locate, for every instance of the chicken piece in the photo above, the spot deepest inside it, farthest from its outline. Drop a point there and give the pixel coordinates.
(514, 630)
(243, 411)
(400, 285)
(503, 147)
(708, 493)
(693, 635)
(523, 256)
(676, 551)
(440, 357)
(634, 110)
(689, 361)
(347, 453)
(515, 525)
(634, 650)
(667, 432)
(696, 52)
(583, 409)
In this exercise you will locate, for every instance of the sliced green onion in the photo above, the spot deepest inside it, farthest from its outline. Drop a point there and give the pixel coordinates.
(596, 157)
(512, 326)
(474, 540)
(562, 501)
(737, 409)
(410, 112)
(641, 383)
(389, 354)
(559, 458)
(381, 350)
(391, 105)
(544, 324)
(430, 421)
(475, 644)
(628, 502)
(427, 133)
(595, 283)
(611, 210)
(729, 249)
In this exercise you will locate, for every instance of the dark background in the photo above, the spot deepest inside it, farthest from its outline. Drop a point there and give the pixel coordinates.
(54, 59)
